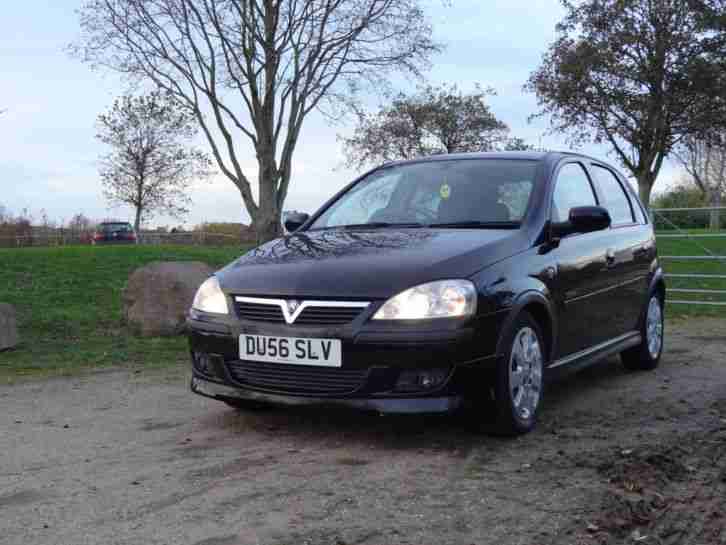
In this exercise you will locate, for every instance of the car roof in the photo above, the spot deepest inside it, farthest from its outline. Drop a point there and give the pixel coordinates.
(521, 155)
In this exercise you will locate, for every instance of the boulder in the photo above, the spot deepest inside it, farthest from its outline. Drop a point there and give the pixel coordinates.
(8, 327)
(158, 296)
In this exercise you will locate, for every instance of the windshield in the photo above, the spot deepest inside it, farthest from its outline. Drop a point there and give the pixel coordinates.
(466, 193)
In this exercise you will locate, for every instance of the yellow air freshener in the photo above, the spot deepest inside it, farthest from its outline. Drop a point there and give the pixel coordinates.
(445, 191)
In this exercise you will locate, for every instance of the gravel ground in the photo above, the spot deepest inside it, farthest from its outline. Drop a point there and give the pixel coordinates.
(618, 457)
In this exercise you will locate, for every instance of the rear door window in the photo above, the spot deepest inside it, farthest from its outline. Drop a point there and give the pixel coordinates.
(616, 201)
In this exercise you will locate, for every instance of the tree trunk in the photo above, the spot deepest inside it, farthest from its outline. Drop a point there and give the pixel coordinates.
(137, 220)
(139, 202)
(267, 221)
(715, 202)
(645, 187)
(267, 228)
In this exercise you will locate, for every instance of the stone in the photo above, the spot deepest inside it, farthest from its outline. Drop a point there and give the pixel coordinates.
(158, 296)
(8, 327)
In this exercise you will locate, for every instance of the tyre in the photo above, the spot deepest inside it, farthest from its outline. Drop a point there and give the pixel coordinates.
(519, 383)
(647, 354)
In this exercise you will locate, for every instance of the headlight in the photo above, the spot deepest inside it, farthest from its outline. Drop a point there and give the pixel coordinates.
(209, 297)
(442, 299)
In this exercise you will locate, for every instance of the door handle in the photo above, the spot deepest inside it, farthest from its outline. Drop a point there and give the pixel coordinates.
(610, 257)
(640, 252)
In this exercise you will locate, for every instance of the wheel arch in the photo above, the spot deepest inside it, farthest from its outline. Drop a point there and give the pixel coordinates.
(657, 285)
(541, 309)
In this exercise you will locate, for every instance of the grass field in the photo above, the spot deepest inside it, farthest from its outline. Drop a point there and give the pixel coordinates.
(69, 302)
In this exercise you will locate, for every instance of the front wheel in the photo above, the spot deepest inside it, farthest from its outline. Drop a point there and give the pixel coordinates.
(647, 354)
(519, 378)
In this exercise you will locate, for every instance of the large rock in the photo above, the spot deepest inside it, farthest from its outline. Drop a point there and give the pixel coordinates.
(8, 327)
(158, 296)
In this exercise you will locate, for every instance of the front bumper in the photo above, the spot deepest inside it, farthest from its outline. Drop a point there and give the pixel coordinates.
(224, 392)
(375, 360)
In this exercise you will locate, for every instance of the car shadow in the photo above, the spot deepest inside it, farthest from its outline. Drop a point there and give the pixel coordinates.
(455, 433)
(605, 375)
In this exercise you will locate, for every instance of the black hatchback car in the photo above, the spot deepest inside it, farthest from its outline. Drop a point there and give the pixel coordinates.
(456, 281)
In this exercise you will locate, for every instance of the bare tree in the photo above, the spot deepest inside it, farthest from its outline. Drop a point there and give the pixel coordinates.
(80, 223)
(638, 74)
(704, 159)
(431, 121)
(152, 162)
(257, 68)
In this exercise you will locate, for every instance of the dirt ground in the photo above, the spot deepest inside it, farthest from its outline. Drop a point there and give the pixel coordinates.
(618, 457)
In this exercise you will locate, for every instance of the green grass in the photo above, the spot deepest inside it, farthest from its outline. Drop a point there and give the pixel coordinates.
(68, 301)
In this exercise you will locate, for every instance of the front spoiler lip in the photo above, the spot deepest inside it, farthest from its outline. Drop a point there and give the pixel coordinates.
(409, 405)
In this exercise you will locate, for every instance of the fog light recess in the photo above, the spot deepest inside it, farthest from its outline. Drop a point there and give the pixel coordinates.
(200, 360)
(421, 379)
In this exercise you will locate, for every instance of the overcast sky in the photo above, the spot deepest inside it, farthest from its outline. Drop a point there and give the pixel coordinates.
(48, 152)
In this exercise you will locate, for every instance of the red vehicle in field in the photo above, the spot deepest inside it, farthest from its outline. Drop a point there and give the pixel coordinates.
(114, 233)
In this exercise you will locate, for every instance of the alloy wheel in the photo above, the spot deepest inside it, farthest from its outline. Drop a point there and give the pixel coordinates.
(654, 327)
(525, 373)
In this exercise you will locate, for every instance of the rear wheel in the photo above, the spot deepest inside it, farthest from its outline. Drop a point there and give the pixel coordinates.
(519, 383)
(647, 354)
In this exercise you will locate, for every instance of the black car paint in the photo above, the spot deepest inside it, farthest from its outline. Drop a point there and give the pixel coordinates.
(363, 263)
(588, 291)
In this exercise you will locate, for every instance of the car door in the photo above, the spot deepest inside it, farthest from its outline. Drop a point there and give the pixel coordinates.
(628, 250)
(581, 266)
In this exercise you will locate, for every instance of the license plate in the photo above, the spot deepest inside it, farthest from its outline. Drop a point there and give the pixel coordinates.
(291, 350)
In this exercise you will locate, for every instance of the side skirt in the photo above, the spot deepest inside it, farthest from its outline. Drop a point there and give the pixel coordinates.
(592, 355)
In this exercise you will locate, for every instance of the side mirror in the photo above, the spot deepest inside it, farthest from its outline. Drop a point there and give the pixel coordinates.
(583, 219)
(295, 220)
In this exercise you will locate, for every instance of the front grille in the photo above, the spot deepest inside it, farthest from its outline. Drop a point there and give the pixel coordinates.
(319, 313)
(328, 315)
(260, 313)
(297, 379)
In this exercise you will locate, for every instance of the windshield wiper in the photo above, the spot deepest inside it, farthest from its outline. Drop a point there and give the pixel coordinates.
(477, 225)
